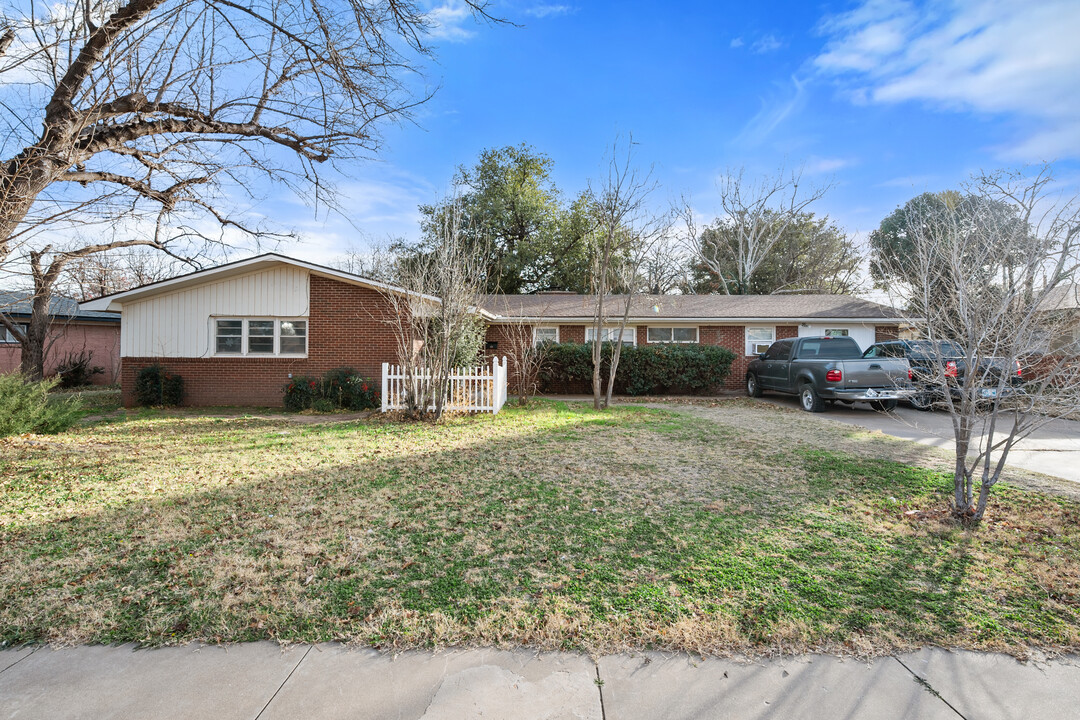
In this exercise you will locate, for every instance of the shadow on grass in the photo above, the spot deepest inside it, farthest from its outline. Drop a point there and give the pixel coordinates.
(475, 531)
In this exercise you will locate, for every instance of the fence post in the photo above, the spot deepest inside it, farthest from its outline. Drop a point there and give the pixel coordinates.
(386, 385)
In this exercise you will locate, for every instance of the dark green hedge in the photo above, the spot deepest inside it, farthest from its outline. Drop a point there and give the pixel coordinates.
(643, 370)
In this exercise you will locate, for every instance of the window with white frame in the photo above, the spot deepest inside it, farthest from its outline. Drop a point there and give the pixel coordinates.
(6, 336)
(260, 336)
(672, 334)
(758, 339)
(611, 334)
(836, 332)
(545, 335)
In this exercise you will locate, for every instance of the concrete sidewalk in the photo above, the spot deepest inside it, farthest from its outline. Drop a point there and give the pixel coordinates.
(260, 680)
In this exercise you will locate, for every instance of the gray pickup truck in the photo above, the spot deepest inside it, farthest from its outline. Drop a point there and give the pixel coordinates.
(826, 368)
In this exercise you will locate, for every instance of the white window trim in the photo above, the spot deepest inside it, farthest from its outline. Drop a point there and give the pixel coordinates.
(628, 329)
(749, 346)
(6, 338)
(545, 327)
(244, 337)
(672, 341)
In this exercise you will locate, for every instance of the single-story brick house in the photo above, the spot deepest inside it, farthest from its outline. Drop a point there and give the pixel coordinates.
(745, 324)
(236, 333)
(72, 330)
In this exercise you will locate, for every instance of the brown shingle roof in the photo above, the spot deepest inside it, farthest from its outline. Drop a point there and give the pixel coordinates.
(561, 306)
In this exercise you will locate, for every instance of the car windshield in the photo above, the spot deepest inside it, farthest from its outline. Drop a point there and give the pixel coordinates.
(942, 348)
(839, 348)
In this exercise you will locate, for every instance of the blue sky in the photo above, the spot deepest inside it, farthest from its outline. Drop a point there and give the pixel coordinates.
(883, 99)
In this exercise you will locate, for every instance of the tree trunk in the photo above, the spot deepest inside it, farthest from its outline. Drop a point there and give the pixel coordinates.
(961, 479)
(37, 330)
(598, 349)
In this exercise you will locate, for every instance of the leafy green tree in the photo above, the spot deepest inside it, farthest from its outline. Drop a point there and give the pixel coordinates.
(973, 224)
(512, 209)
(811, 255)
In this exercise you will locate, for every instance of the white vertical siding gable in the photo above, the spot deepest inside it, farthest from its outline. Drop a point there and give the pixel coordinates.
(178, 324)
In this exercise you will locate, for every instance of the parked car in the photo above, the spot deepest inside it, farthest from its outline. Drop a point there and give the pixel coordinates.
(820, 369)
(936, 365)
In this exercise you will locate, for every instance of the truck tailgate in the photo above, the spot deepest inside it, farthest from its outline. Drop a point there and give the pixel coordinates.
(875, 373)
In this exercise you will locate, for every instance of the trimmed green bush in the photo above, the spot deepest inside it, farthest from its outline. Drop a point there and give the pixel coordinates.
(155, 386)
(340, 388)
(643, 370)
(27, 407)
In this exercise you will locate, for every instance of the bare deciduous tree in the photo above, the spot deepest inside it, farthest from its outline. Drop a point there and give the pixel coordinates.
(436, 322)
(526, 355)
(154, 111)
(626, 230)
(106, 273)
(989, 270)
(755, 214)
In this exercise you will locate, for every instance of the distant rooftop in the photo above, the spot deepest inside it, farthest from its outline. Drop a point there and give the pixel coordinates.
(16, 303)
(559, 306)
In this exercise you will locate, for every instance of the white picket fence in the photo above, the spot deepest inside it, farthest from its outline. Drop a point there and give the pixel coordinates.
(477, 389)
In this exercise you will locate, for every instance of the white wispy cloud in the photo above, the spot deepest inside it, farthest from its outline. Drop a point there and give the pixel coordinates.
(787, 99)
(987, 56)
(449, 21)
(544, 10)
(736, 43)
(815, 165)
(766, 44)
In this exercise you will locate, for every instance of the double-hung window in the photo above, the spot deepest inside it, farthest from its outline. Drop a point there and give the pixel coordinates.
(543, 335)
(758, 339)
(260, 336)
(672, 335)
(611, 334)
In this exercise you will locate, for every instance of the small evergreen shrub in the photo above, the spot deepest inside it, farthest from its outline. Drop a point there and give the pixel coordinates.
(156, 386)
(644, 369)
(75, 369)
(27, 407)
(301, 392)
(339, 389)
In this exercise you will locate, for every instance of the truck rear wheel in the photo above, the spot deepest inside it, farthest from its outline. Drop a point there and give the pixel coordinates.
(809, 399)
(752, 387)
(922, 401)
(883, 405)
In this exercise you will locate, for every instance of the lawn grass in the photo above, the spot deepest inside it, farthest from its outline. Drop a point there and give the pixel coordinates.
(553, 526)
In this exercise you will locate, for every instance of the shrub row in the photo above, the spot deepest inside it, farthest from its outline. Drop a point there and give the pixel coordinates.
(340, 388)
(643, 370)
(155, 386)
(27, 407)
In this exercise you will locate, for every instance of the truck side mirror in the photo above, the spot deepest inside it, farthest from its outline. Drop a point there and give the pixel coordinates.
(761, 356)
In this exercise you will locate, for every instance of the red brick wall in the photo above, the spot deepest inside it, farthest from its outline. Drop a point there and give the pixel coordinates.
(572, 333)
(886, 332)
(101, 339)
(346, 327)
(787, 331)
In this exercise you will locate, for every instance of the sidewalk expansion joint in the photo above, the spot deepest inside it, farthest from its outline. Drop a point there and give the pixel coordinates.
(5, 669)
(302, 658)
(928, 687)
(600, 688)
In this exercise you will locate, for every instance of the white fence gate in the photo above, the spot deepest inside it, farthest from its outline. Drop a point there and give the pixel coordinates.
(477, 389)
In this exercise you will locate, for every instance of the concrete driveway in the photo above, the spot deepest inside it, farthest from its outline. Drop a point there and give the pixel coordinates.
(1053, 450)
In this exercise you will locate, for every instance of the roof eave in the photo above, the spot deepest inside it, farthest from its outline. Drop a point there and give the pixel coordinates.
(115, 301)
(652, 320)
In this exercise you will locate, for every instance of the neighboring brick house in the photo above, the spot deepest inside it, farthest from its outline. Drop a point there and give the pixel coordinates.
(237, 333)
(745, 324)
(72, 330)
